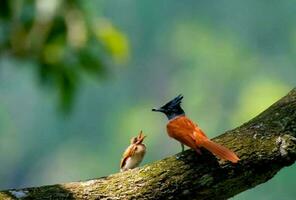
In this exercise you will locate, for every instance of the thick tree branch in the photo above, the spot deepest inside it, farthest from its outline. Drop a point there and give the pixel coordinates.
(265, 144)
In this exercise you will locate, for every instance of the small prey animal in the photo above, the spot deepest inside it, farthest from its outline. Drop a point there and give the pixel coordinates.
(183, 129)
(134, 153)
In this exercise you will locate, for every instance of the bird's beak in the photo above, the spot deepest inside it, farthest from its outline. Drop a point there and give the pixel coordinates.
(140, 138)
(157, 109)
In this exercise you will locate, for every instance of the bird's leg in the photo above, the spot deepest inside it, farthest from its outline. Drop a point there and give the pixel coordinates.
(182, 146)
(181, 154)
(198, 151)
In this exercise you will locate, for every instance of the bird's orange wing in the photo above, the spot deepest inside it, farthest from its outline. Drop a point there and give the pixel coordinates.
(182, 131)
(186, 131)
(127, 153)
(193, 126)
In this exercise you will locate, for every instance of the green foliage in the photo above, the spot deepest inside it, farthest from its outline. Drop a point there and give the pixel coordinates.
(63, 40)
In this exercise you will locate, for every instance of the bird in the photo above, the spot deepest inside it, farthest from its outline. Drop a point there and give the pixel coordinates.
(134, 153)
(188, 133)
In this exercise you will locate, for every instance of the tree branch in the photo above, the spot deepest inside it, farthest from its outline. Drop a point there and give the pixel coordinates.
(265, 144)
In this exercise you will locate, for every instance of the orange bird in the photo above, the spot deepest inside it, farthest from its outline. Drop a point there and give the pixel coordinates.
(188, 133)
(134, 153)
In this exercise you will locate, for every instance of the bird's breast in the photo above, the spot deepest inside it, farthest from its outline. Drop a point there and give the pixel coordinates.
(134, 160)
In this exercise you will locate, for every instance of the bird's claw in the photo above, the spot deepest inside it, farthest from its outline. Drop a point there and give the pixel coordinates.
(179, 156)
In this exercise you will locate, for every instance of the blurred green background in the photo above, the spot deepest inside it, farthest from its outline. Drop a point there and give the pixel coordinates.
(78, 79)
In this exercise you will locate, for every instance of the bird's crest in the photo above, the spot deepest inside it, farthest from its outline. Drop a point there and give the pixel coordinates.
(176, 101)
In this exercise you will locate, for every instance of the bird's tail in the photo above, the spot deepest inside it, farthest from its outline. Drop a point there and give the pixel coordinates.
(220, 151)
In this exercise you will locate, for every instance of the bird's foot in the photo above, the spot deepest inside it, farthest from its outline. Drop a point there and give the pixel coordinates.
(180, 156)
(198, 151)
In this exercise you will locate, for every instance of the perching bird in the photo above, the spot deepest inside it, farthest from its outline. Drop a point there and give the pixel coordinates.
(188, 133)
(134, 153)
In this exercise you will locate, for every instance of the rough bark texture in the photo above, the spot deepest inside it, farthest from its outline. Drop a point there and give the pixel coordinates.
(265, 144)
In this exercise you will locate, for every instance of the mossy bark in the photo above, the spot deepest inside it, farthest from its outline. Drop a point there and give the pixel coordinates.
(265, 144)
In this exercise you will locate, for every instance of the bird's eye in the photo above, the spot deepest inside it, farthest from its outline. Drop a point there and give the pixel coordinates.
(136, 148)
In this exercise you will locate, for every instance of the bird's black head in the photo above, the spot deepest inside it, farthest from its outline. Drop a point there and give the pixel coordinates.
(172, 109)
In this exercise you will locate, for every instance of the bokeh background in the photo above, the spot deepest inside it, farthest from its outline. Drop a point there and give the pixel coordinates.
(78, 79)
